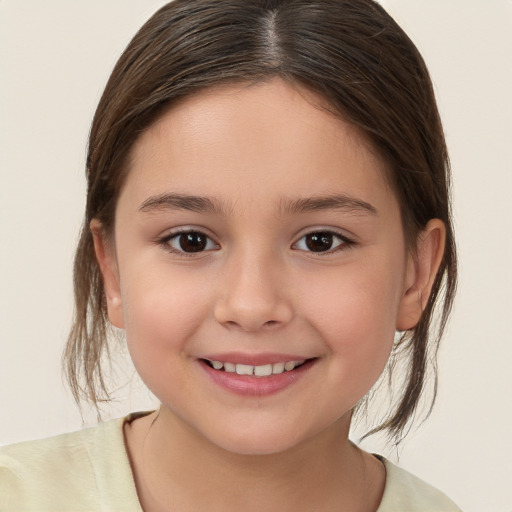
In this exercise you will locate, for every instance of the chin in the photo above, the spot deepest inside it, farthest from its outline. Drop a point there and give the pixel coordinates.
(253, 441)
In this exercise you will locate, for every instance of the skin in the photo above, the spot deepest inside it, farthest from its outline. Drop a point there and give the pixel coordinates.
(255, 150)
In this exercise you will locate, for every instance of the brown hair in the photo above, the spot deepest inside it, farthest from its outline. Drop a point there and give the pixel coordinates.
(349, 52)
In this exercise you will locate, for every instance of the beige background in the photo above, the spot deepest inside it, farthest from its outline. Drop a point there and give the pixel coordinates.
(55, 58)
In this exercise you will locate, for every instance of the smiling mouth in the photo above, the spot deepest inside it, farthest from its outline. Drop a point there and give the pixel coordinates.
(263, 370)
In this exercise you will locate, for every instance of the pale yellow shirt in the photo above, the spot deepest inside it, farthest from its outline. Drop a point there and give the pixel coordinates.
(90, 471)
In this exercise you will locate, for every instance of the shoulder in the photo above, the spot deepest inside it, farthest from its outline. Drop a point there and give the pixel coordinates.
(408, 493)
(75, 471)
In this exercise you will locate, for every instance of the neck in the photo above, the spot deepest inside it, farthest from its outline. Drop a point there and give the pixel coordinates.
(174, 464)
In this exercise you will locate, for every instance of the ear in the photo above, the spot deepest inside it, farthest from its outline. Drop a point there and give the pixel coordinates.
(106, 257)
(422, 267)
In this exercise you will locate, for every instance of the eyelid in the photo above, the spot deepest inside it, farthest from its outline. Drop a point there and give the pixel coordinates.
(174, 233)
(347, 241)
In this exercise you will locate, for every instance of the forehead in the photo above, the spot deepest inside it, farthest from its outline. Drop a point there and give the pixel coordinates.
(269, 138)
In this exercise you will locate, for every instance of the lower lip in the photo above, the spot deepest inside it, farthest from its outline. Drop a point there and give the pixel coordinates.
(256, 386)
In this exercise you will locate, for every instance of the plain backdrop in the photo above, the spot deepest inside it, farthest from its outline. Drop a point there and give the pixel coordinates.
(55, 58)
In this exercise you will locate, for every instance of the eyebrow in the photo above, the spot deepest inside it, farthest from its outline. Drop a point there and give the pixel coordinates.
(173, 201)
(205, 204)
(329, 202)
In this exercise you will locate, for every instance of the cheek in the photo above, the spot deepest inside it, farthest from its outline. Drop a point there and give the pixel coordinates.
(162, 310)
(360, 301)
(355, 313)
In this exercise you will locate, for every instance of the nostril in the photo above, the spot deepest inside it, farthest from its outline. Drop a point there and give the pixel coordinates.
(249, 327)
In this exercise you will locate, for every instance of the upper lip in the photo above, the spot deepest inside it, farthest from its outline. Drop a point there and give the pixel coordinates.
(254, 359)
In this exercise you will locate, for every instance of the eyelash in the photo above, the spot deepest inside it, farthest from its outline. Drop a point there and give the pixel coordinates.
(344, 242)
(166, 242)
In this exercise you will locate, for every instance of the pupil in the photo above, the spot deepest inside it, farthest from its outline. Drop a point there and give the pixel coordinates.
(192, 242)
(319, 242)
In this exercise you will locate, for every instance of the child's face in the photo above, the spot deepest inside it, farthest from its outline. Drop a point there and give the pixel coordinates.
(291, 249)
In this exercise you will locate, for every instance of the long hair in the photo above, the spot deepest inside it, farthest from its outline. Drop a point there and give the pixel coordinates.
(349, 52)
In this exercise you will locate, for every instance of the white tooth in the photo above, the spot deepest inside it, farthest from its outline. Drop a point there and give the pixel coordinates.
(263, 370)
(290, 365)
(244, 369)
(229, 367)
(217, 364)
(278, 368)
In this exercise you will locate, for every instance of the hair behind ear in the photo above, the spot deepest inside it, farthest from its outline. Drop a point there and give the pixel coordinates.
(434, 272)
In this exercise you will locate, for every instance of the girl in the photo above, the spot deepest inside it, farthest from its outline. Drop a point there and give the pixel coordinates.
(268, 221)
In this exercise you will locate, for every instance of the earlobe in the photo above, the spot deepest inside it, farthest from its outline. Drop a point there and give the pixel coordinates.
(105, 255)
(421, 272)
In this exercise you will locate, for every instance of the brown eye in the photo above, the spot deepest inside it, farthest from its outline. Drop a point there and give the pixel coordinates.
(320, 241)
(190, 242)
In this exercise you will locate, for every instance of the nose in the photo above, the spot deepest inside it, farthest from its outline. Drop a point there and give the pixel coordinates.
(253, 296)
